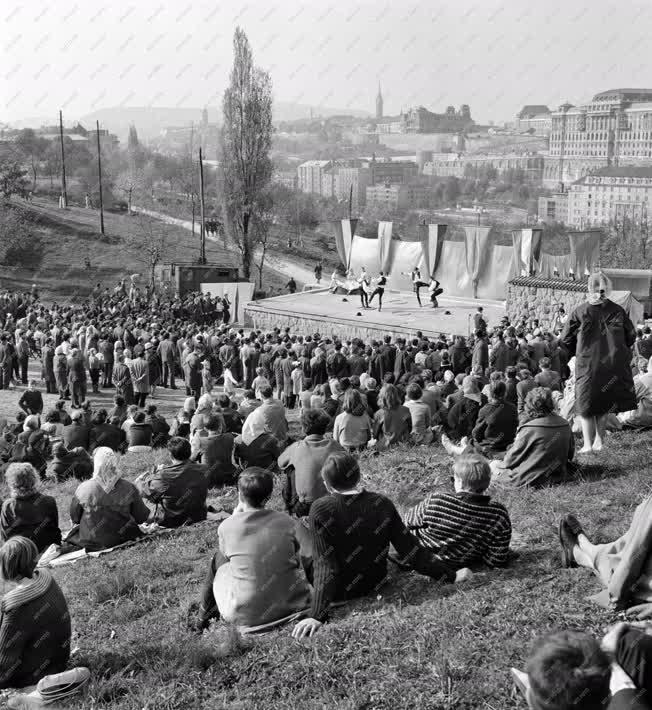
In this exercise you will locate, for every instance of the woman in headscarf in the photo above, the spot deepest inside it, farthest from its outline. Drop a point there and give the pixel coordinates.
(107, 509)
(181, 423)
(204, 409)
(600, 335)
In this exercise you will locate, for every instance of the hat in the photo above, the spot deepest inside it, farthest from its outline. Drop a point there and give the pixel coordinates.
(76, 414)
(53, 688)
(148, 346)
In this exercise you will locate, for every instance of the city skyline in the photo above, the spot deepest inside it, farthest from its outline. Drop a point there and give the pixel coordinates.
(493, 56)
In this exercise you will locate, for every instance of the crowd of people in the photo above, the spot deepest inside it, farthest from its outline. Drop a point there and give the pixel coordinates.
(503, 403)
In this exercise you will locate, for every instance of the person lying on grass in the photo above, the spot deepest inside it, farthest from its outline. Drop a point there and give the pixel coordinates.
(348, 543)
(624, 566)
(255, 577)
(34, 618)
(466, 527)
(571, 671)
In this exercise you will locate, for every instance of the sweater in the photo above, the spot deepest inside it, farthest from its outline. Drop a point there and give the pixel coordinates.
(351, 536)
(34, 632)
(352, 431)
(35, 517)
(462, 528)
(307, 457)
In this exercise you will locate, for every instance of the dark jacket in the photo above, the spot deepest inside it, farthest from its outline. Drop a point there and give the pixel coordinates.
(215, 452)
(496, 426)
(180, 489)
(34, 517)
(106, 435)
(139, 434)
(76, 434)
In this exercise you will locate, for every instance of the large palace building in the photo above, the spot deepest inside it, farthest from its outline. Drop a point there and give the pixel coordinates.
(614, 129)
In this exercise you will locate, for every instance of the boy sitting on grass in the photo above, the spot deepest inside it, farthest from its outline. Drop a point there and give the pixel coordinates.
(464, 528)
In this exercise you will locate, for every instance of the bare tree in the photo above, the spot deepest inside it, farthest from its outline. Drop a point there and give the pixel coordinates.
(152, 243)
(246, 141)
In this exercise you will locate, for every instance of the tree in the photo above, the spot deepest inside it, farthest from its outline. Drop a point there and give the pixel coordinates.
(246, 141)
(134, 149)
(12, 177)
(133, 181)
(451, 190)
(33, 147)
(151, 242)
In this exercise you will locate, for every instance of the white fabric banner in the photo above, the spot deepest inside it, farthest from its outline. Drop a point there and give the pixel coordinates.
(239, 294)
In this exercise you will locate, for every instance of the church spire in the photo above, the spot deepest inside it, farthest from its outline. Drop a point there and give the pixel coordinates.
(379, 103)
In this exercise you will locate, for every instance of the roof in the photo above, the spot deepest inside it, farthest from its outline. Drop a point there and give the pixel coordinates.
(541, 282)
(623, 171)
(315, 164)
(624, 94)
(530, 110)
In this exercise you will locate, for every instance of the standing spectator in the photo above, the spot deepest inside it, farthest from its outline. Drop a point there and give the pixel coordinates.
(167, 351)
(318, 272)
(61, 372)
(139, 371)
(47, 360)
(22, 354)
(77, 377)
(122, 379)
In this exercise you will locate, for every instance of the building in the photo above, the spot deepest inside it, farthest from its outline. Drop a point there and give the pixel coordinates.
(351, 182)
(379, 103)
(285, 177)
(611, 195)
(392, 171)
(475, 165)
(553, 208)
(420, 120)
(311, 175)
(535, 118)
(106, 138)
(615, 128)
(397, 197)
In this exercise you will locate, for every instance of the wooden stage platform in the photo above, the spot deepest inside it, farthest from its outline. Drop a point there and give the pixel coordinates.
(322, 312)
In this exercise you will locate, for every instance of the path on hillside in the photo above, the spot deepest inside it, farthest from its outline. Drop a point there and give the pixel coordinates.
(281, 264)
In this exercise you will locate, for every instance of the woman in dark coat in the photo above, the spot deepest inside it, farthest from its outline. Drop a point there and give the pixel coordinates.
(600, 335)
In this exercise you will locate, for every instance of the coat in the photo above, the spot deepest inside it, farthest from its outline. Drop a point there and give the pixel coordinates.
(601, 336)
(139, 370)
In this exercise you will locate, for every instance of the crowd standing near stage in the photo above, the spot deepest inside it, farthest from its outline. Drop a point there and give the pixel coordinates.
(504, 403)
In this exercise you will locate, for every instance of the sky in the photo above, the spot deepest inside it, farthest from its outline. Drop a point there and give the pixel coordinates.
(494, 55)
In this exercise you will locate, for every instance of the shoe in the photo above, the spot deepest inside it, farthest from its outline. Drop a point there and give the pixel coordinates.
(574, 525)
(567, 540)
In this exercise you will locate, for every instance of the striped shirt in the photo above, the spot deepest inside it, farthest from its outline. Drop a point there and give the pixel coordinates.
(462, 528)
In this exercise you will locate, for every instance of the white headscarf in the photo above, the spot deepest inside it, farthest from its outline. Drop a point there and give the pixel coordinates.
(105, 468)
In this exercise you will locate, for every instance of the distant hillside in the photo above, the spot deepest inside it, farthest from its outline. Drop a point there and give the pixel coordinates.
(150, 120)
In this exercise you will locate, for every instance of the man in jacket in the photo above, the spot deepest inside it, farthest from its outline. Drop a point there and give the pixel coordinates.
(76, 433)
(167, 351)
(77, 377)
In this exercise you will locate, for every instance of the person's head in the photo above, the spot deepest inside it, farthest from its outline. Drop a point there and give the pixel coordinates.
(76, 416)
(524, 374)
(544, 363)
(32, 384)
(189, 404)
(370, 384)
(510, 372)
(139, 417)
(179, 448)
(105, 468)
(413, 391)
(389, 399)
(31, 423)
(22, 480)
(470, 386)
(314, 422)
(214, 423)
(497, 390)
(18, 558)
(538, 403)
(119, 400)
(266, 392)
(132, 410)
(599, 285)
(255, 486)
(568, 671)
(340, 472)
(352, 401)
(205, 402)
(471, 473)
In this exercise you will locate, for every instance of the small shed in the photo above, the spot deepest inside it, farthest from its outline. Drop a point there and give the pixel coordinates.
(181, 278)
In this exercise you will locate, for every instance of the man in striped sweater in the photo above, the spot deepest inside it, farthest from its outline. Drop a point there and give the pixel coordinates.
(464, 528)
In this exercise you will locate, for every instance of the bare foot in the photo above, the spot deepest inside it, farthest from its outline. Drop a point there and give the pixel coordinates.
(597, 445)
(585, 450)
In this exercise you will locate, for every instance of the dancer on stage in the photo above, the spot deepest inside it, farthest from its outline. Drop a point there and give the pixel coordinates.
(434, 289)
(417, 283)
(381, 282)
(363, 280)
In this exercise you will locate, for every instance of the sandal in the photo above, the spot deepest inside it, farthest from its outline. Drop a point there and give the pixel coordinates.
(567, 540)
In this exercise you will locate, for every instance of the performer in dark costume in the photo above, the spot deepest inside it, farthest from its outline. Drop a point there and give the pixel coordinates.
(600, 334)
(381, 282)
(434, 289)
(363, 280)
(417, 283)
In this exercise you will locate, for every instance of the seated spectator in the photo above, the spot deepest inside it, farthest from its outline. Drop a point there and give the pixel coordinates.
(302, 462)
(464, 528)
(70, 463)
(119, 409)
(31, 401)
(181, 424)
(511, 383)
(543, 449)
(35, 622)
(27, 512)
(160, 427)
(371, 393)
(132, 410)
(179, 488)
(268, 418)
(76, 433)
(232, 420)
(248, 404)
(526, 384)
(213, 447)
(448, 386)
(139, 434)
(497, 421)
(463, 415)
(547, 377)
(333, 405)
(32, 445)
(52, 417)
(259, 381)
(205, 406)
(352, 428)
(392, 423)
(457, 394)
(64, 417)
(255, 578)
(103, 433)
(106, 510)
(568, 670)
(319, 396)
(421, 432)
(639, 418)
(624, 566)
(18, 427)
(87, 413)
(350, 533)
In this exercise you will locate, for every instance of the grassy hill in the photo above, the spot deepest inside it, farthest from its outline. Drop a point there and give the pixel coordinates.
(414, 645)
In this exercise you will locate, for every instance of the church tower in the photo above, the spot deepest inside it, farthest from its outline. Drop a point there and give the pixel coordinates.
(379, 103)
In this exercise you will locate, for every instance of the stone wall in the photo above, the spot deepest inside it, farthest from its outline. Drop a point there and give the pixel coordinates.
(537, 298)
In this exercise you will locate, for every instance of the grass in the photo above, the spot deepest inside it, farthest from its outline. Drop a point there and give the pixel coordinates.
(415, 645)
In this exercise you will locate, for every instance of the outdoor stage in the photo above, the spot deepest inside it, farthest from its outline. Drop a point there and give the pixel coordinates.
(322, 312)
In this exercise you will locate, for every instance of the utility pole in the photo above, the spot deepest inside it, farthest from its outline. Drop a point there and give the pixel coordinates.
(351, 195)
(99, 174)
(64, 192)
(192, 178)
(202, 231)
